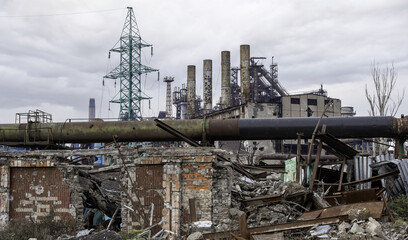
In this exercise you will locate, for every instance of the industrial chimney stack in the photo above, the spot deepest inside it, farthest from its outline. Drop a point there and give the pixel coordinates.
(91, 109)
(207, 81)
(245, 80)
(225, 79)
(169, 112)
(191, 91)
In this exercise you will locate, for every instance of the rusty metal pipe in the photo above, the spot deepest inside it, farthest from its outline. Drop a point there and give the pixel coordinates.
(198, 129)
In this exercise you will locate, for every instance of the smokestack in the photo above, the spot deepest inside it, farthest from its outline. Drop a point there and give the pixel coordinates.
(245, 81)
(191, 91)
(225, 79)
(207, 81)
(91, 109)
(169, 107)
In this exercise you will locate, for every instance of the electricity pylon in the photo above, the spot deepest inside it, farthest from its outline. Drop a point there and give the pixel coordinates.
(130, 70)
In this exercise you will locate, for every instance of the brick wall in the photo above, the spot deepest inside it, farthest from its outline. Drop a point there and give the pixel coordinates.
(191, 188)
(34, 187)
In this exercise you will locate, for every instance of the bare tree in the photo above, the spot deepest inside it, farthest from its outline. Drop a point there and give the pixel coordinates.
(381, 103)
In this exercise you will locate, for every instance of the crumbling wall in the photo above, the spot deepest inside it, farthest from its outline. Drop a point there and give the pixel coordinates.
(221, 197)
(4, 194)
(193, 188)
(35, 187)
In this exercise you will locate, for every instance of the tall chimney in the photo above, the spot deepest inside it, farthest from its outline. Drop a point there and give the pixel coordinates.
(245, 81)
(169, 107)
(91, 109)
(191, 91)
(225, 79)
(207, 81)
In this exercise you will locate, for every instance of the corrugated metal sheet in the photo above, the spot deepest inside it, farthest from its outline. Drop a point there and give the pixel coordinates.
(148, 183)
(362, 170)
(37, 192)
(393, 185)
(403, 167)
(401, 185)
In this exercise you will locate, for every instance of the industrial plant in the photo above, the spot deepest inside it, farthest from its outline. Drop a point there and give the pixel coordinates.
(261, 163)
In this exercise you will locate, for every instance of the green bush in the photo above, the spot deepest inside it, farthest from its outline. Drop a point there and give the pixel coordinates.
(44, 229)
(399, 207)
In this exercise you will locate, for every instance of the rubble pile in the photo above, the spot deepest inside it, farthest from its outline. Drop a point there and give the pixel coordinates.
(357, 229)
(266, 202)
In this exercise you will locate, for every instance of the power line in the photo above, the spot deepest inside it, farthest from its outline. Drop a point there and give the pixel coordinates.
(60, 14)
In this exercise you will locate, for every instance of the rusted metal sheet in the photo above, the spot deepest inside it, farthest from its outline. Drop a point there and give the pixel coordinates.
(337, 145)
(38, 191)
(148, 185)
(243, 226)
(193, 213)
(297, 225)
(310, 215)
(220, 235)
(365, 195)
(279, 227)
(374, 209)
(371, 179)
(272, 236)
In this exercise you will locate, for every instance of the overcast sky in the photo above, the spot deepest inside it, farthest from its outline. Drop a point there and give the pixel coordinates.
(53, 54)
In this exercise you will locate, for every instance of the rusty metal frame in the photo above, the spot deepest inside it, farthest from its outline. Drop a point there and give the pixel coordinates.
(176, 133)
(371, 179)
(317, 160)
(280, 227)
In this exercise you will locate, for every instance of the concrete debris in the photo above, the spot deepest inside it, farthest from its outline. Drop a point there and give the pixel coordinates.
(101, 235)
(359, 214)
(320, 230)
(319, 202)
(356, 229)
(84, 232)
(343, 227)
(373, 227)
(195, 236)
(274, 177)
(202, 226)
(268, 215)
(264, 200)
(235, 213)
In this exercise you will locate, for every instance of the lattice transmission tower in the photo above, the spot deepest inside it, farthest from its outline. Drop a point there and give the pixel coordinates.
(130, 70)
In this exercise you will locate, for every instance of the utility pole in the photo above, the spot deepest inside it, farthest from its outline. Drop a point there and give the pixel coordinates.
(130, 70)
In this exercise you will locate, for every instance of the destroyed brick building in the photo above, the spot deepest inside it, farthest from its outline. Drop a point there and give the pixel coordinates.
(260, 162)
(171, 188)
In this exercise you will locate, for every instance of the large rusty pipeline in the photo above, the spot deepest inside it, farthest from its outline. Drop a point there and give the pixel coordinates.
(198, 129)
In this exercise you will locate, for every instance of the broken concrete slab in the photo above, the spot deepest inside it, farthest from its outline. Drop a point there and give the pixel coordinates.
(195, 236)
(356, 229)
(373, 227)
